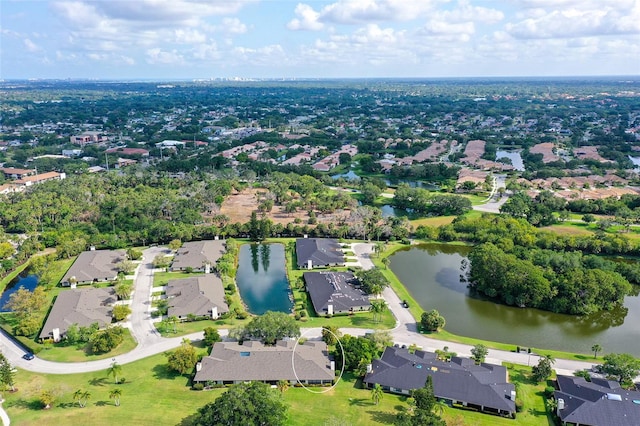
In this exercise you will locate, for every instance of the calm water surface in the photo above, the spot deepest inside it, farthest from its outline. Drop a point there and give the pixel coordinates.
(262, 278)
(514, 156)
(431, 273)
(25, 280)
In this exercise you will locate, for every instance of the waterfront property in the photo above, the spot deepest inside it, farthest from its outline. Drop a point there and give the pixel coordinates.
(94, 266)
(483, 387)
(79, 306)
(231, 362)
(318, 253)
(600, 402)
(198, 256)
(199, 296)
(335, 293)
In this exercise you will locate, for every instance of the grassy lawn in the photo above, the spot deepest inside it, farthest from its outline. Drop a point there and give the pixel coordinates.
(154, 395)
(162, 278)
(61, 353)
(434, 222)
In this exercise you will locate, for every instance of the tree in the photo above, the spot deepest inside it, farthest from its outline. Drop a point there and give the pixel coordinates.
(114, 370)
(7, 373)
(386, 261)
(330, 334)
(596, 348)
(126, 266)
(432, 320)
(283, 385)
(115, 394)
(211, 336)
(542, 371)
(271, 327)
(120, 312)
(47, 398)
(161, 261)
(479, 353)
(77, 396)
(183, 359)
(357, 351)
(175, 244)
(134, 254)
(624, 367)
(244, 404)
(123, 289)
(378, 307)
(373, 281)
(25, 306)
(105, 340)
(376, 393)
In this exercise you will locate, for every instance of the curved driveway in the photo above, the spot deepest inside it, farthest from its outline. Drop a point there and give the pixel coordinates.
(151, 343)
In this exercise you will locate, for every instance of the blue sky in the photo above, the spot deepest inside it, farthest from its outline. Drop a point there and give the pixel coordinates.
(183, 39)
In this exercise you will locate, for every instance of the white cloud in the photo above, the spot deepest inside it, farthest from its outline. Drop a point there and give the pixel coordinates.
(189, 36)
(307, 19)
(30, 46)
(233, 26)
(159, 56)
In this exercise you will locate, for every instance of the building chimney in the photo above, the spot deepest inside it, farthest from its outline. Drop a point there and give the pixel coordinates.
(214, 312)
(329, 309)
(309, 264)
(56, 335)
(369, 368)
(333, 366)
(560, 405)
(198, 366)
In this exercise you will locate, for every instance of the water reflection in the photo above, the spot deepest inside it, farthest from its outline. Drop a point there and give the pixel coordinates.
(431, 273)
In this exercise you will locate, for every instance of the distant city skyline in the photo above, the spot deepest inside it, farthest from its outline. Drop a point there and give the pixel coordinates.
(244, 39)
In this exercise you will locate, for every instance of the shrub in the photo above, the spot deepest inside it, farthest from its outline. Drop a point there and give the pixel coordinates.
(297, 316)
(548, 391)
(197, 386)
(519, 405)
(122, 380)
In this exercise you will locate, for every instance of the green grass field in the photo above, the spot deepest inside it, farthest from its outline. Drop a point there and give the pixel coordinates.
(154, 395)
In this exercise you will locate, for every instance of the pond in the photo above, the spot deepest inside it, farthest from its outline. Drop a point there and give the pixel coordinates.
(514, 156)
(26, 280)
(262, 278)
(431, 273)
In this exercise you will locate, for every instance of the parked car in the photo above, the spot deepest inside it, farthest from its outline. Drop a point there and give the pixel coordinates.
(28, 356)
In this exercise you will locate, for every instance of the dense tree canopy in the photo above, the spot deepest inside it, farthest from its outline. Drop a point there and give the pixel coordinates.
(270, 327)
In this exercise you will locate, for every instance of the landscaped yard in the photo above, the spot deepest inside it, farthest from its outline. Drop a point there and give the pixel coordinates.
(162, 278)
(154, 395)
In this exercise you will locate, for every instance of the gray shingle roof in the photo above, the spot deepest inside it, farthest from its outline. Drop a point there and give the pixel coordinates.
(95, 265)
(230, 361)
(334, 288)
(459, 380)
(321, 252)
(80, 306)
(597, 403)
(195, 254)
(196, 295)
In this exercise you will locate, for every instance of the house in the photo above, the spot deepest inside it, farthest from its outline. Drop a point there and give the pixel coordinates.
(600, 402)
(79, 306)
(200, 296)
(42, 177)
(94, 266)
(318, 253)
(231, 362)
(335, 293)
(13, 173)
(460, 381)
(198, 255)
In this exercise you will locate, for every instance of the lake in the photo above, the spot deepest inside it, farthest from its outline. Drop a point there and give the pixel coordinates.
(262, 278)
(431, 273)
(25, 280)
(514, 156)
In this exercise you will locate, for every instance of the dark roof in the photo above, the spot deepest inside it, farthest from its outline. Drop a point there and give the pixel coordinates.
(321, 252)
(95, 265)
(80, 306)
(230, 361)
(334, 288)
(459, 380)
(196, 295)
(597, 403)
(196, 254)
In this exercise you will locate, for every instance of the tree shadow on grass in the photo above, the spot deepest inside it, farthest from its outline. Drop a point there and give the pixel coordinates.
(29, 404)
(360, 402)
(383, 417)
(361, 320)
(161, 371)
(103, 403)
(68, 405)
(98, 381)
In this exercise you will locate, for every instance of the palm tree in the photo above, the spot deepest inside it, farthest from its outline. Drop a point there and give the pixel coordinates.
(77, 396)
(173, 320)
(596, 348)
(86, 395)
(378, 248)
(378, 307)
(115, 395)
(376, 393)
(283, 385)
(114, 371)
(386, 262)
(439, 406)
